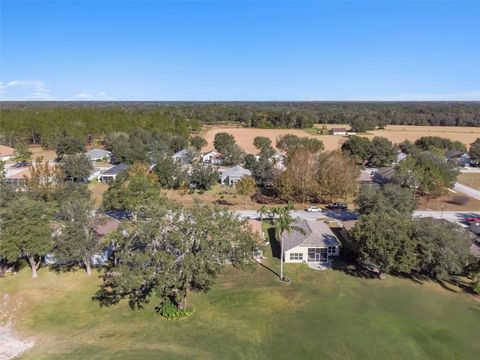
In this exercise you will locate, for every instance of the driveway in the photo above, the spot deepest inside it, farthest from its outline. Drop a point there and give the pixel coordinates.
(467, 190)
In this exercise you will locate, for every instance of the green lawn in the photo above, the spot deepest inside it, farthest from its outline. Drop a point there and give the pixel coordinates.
(322, 315)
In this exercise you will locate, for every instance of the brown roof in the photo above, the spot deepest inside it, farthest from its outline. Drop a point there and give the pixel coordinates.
(6, 150)
(338, 130)
(20, 175)
(256, 226)
(349, 224)
(110, 224)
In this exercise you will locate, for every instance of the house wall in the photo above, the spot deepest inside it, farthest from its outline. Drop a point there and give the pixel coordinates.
(304, 251)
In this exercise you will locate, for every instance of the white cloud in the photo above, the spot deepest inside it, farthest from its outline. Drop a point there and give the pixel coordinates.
(25, 90)
(85, 96)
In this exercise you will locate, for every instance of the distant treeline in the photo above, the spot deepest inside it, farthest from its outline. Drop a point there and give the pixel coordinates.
(42, 122)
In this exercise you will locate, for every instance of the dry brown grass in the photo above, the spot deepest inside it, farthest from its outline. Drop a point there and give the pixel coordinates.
(449, 202)
(97, 189)
(245, 137)
(472, 180)
(395, 133)
(38, 151)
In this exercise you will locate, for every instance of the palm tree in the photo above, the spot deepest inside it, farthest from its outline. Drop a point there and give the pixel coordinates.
(262, 211)
(284, 222)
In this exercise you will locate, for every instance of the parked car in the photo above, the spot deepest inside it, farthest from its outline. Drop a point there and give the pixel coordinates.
(473, 219)
(337, 205)
(20, 164)
(313, 209)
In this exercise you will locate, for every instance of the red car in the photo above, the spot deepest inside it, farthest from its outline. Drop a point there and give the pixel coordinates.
(473, 219)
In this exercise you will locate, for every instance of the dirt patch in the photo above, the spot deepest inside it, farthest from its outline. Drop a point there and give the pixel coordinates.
(11, 346)
(245, 137)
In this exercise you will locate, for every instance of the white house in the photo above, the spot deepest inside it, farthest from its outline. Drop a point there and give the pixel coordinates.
(98, 155)
(339, 131)
(111, 174)
(231, 175)
(212, 157)
(6, 152)
(315, 244)
(94, 174)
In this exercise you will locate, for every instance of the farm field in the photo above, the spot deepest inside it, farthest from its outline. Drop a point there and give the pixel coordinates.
(395, 133)
(250, 315)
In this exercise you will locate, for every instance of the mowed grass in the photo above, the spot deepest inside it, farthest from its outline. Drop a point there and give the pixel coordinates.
(327, 315)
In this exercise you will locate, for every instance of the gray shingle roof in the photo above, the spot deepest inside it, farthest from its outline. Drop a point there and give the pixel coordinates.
(116, 169)
(236, 171)
(316, 234)
(97, 153)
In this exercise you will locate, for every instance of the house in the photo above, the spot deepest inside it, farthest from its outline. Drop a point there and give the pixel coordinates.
(365, 177)
(212, 157)
(458, 157)
(347, 227)
(400, 157)
(384, 175)
(94, 174)
(107, 225)
(98, 155)
(184, 157)
(6, 152)
(111, 174)
(279, 161)
(231, 175)
(316, 243)
(339, 131)
(17, 177)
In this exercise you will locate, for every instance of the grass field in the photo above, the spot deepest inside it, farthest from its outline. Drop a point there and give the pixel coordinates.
(395, 133)
(327, 315)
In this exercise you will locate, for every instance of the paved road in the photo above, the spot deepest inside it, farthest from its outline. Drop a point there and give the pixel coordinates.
(467, 190)
(470, 170)
(302, 214)
(453, 216)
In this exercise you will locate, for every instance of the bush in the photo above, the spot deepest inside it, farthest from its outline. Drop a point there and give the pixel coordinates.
(476, 287)
(201, 191)
(169, 310)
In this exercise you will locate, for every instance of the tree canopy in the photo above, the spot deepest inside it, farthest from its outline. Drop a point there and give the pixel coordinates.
(169, 252)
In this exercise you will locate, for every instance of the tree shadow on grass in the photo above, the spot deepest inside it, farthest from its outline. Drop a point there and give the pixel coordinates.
(269, 269)
(274, 244)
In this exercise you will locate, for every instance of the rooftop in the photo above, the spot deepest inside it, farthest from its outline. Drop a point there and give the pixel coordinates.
(6, 150)
(236, 171)
(97, 153)
(315, 234)
(116, 169)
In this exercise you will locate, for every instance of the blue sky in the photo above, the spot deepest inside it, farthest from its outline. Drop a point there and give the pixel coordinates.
(239, 50)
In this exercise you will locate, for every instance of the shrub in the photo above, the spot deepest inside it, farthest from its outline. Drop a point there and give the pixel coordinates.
(169, 310)
(476, 286)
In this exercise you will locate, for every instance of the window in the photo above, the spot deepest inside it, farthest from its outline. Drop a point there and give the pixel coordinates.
(332, 249)
(296, 256)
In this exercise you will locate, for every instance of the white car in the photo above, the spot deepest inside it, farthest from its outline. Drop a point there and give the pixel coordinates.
(313, 209)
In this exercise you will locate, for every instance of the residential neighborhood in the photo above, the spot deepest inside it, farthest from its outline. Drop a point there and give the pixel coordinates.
(239, 180)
